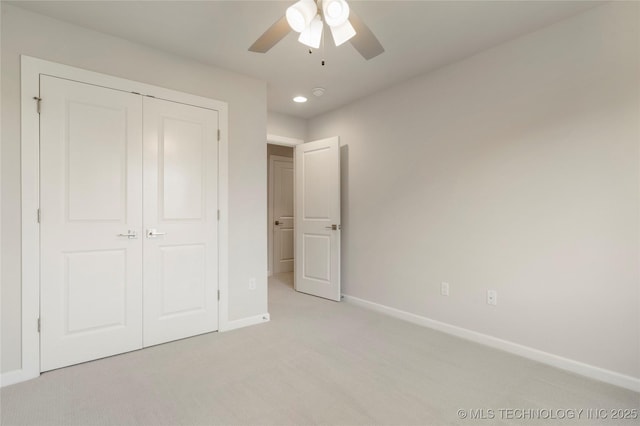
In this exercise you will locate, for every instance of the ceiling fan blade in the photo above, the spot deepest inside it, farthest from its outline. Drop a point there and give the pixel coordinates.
(364, 41)
(272, 36)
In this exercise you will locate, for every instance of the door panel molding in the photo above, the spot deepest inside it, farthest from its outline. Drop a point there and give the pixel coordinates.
(31, 70)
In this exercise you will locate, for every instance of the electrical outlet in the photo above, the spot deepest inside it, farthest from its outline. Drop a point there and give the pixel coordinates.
(492, 297)
(252, 284)
(444, 289)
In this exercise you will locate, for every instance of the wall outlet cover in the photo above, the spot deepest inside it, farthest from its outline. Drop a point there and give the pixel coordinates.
(444, 289)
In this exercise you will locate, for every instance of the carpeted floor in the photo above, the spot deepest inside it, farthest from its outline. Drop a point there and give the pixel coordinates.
(316, 362)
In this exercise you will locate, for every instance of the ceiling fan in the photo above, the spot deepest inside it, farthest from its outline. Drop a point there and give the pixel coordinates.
(308, 17)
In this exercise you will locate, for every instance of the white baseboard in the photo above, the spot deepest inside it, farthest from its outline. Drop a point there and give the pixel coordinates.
(593, 372)
(246, 322)
(15, 376)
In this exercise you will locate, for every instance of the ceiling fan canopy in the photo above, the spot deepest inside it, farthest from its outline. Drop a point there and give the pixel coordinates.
(308, 17)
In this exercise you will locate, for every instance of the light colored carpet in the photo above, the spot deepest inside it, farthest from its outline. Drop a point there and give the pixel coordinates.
(316, 362)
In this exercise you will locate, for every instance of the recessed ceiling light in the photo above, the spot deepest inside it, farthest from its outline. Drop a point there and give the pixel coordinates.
(300, 99)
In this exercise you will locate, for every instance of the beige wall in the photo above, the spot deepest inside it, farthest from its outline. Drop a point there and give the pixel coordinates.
(517, 170)
(285, 125)
(35, 35)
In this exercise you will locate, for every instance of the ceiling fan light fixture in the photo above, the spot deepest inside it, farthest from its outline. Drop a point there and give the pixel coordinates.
(303, 16)
(335, 12)
(312, 35)
(300, 14)
(342, 33)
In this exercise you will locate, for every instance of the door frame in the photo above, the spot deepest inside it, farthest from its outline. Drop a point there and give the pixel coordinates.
(31, 69)
(271, 211)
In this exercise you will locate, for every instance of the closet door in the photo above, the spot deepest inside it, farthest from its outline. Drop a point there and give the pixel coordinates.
(91, 217)
(180, 219)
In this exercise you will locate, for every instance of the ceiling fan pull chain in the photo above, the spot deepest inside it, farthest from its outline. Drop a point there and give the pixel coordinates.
(324, 50)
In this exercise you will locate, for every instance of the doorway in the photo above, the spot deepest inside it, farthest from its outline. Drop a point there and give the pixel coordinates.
(304, 215)
(280, 193)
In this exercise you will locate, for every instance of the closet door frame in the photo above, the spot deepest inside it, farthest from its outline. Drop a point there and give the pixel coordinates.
(31, 70)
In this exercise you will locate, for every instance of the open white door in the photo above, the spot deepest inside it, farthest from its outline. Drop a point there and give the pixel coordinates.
(317, 218)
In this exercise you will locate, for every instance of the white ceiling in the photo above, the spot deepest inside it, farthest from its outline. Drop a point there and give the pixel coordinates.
(418, 36)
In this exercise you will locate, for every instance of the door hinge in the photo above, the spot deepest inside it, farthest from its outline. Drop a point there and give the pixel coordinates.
(38, 325)
(38, 213)
(218, 295)
(218, 135)
(38, 102)
(218, 214)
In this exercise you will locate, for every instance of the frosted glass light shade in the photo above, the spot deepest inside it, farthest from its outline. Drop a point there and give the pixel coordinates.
(300, 14)
(312, 35)
(335, 12)
(342, 33)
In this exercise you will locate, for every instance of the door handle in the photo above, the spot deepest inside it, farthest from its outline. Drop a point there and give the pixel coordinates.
(130, 234)
(277, 222)
(154, 233)
(333, 227)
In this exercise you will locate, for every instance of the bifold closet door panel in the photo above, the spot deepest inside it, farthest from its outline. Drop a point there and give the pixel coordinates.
(180, 217)
(91, 217)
